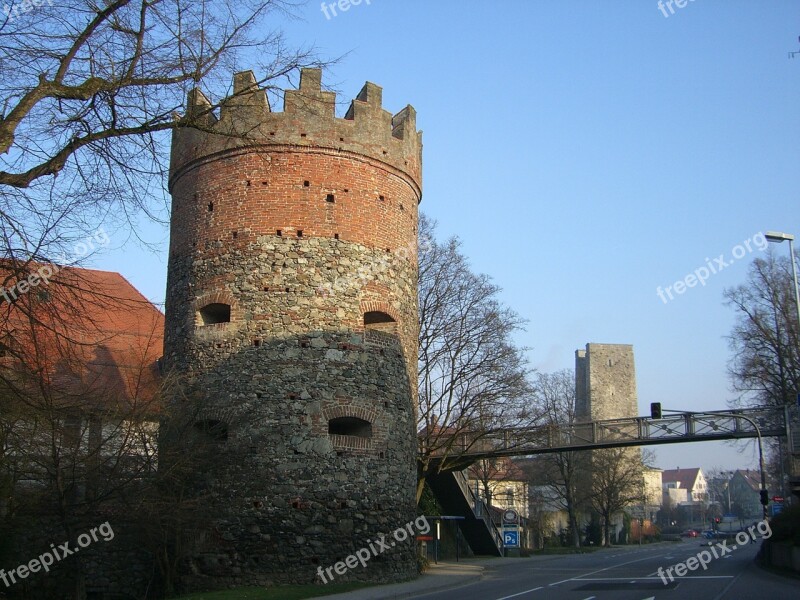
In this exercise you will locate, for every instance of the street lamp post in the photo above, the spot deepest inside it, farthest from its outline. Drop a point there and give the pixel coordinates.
(778, 237)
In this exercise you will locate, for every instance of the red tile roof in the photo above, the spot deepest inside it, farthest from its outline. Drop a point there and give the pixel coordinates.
(85, 332)
(751, 478)
(686, 477)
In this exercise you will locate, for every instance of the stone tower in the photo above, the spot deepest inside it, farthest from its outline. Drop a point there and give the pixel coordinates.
(605, 382)
(292, 311)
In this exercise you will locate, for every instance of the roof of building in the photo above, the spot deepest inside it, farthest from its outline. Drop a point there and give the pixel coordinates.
(750, 477)
(87, 332)
(685, 478)
(501, 469)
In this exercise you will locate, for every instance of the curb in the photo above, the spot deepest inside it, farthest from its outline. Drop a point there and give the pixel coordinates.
(375, 593)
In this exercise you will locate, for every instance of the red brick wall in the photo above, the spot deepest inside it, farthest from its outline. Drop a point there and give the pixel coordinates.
(259, 194)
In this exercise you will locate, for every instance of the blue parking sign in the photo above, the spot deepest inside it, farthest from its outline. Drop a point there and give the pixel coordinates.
(511, 539)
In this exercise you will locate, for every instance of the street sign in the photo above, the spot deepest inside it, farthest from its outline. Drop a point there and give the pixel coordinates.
(776, 508)
(510, 516)
(777, 498)
(511, 538)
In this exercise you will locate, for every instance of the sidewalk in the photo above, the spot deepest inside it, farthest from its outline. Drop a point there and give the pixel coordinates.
(438, 577)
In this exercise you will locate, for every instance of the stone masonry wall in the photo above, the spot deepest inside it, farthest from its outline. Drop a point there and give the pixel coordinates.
(605, 378)
(302, 224)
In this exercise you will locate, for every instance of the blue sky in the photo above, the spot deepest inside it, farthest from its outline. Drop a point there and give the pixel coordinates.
(587, 152)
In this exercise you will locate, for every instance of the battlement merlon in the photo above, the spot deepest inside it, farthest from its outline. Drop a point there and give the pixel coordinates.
(247, 123)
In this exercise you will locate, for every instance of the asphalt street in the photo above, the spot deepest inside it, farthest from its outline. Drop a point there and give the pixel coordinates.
(630, 573)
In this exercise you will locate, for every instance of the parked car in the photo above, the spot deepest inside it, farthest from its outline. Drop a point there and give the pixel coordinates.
(689, 533)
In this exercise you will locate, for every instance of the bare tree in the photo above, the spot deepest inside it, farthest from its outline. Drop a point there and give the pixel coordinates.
(765, 342)
(472, 377)
(562, 472)
(79, 421)
(765, 366)
(492, 473)
(89, 93)
(617, 482)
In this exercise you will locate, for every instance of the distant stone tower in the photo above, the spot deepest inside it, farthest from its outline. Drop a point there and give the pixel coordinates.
(605, 382)
(292, 309)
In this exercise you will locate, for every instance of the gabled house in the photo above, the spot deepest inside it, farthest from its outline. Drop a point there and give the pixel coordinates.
(79, 375)
(744, 487)
(691, 480)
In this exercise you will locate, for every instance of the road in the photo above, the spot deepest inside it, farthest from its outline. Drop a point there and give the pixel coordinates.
(629, 573)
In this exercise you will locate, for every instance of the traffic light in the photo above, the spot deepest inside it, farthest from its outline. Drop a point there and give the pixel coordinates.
(716, 520)
(764, 497)
(655, 410)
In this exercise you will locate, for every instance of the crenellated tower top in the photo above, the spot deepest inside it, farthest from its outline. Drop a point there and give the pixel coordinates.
(246, 123)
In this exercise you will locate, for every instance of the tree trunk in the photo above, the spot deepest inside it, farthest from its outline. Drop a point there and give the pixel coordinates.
(573, 525)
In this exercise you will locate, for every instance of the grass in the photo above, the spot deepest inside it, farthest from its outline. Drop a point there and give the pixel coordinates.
(283, 592)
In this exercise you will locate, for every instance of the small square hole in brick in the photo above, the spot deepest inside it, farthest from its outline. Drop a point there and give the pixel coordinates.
(306, 183)
(235, 234)
(258, 395)
(330, 198)
(346, 190)
(247, 183)
(210, 207)
(287, 290)
(336, 236)
(381, 198)
(385, 405)
(265, 183)
(341, 139)
(299, 233)
(256, 343)
(303, 135)
(279, 233)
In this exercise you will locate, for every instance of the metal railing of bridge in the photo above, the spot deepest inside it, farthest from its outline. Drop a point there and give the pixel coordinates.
(615, 433)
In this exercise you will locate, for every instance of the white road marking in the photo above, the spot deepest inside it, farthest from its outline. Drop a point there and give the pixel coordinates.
(520, 593)
(628, 579)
